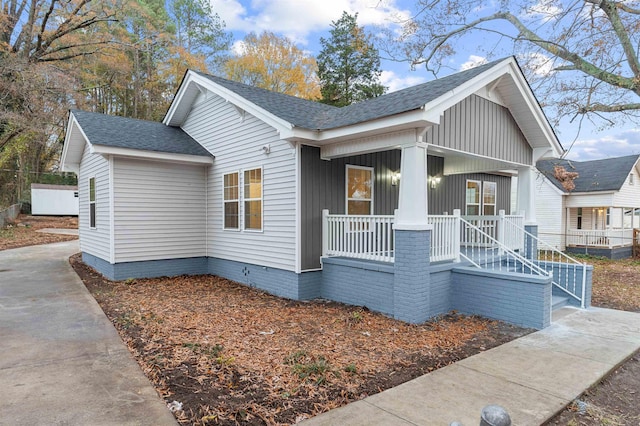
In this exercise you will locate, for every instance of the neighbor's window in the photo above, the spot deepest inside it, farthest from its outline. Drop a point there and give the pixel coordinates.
(231, 201)
(359, 190)
(253, 199)
(473, 198)
(489, 198)
(579, 220)
(92, 202)
(630, 178)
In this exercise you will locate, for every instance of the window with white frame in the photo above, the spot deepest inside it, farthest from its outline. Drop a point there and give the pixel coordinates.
(253, 199)
(489, 198)
(630, 178)
(359, 184)
(472, 206)
(92, 202)
(231, 201)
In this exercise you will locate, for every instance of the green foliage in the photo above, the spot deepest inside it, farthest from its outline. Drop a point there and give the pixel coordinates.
(309, 367)
(208, 350)
(348, 64)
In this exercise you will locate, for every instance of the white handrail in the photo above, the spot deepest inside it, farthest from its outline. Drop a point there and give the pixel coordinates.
(490, 252)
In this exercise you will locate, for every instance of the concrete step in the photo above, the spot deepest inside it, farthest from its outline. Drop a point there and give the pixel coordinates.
(558, 302)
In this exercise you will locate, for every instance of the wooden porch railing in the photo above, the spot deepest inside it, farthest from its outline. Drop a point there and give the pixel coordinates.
(365, 237)
(608, 238)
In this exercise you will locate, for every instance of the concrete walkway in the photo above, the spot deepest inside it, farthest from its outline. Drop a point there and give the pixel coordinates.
(533, 377)
(61, 360)
(60, 231)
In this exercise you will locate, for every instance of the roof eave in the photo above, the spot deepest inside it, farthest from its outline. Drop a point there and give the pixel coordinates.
(70, 159)
(151, 155)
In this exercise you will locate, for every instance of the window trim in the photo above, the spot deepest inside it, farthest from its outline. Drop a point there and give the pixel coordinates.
(631, 178)
(93, 219)
(225, 201)
(466, 202)
(261, 199)
(346, 187)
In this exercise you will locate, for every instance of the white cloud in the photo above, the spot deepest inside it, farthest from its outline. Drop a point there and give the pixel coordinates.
(617, 144)
(296, 19)
(545, 10)
(238, 47)
(472, 62)
(395, 82)
(538, 63)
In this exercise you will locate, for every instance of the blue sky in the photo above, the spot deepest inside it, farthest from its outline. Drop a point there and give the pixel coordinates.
(305, 21)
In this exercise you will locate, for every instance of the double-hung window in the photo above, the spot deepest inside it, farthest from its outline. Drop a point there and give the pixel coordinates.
(480, 198)
(92, 202)
(473, 197)
(489, 198)
(231, 201)
(359, 181)
(253, 199)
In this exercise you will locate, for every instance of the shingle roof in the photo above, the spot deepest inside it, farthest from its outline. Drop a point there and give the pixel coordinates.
(608, 174)
(121, 132)
(316, 116)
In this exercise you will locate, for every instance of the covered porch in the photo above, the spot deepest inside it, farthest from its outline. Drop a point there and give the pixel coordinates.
(601, 227)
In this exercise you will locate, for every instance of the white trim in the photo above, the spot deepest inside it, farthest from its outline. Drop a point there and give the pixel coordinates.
(298, 219)
(346, 187)
(150, 155)
(244, 200)
(224, 201)
(112, 231)
(466, 203)
(95, 201)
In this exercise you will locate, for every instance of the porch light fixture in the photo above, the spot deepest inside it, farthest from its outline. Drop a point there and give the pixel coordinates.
(434, 181)
(395, 178)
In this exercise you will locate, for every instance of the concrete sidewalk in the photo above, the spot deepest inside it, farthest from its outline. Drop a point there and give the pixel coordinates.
(61, 360)
(533, 377)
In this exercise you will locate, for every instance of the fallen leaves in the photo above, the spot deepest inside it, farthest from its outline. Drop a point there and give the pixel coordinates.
(23, 231)
(232, 354)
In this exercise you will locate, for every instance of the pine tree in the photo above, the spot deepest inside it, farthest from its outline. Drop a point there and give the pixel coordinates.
(349, 64)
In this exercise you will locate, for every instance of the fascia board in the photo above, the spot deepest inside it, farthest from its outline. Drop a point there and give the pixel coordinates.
(67, 164)
(279, 124)
(150, 155)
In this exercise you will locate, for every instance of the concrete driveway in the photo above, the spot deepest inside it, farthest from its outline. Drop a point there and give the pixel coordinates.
(61, 360)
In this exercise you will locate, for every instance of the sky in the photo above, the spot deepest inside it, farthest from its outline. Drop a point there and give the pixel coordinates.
(306, 21)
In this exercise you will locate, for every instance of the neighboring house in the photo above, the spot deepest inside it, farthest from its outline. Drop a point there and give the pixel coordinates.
(596, 217)
(359, 204)
(54, 200)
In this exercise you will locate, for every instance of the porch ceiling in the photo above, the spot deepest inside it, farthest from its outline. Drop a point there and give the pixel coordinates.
(458, 162)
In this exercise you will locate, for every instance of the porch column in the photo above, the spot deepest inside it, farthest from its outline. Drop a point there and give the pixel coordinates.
(526, 198)
(411, 283)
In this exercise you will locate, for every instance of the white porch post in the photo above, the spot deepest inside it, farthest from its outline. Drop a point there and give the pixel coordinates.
(412, 203)
(526, 198)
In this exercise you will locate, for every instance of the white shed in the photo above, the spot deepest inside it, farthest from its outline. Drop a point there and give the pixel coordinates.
(54, 200)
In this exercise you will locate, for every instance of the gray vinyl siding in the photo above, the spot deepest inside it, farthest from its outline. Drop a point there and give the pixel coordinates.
(159, 209)
(94, 241)
(236, 141)
(481, 127)
(323, 187)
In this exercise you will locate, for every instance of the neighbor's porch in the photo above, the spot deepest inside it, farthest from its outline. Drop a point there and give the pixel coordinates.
(601, 227)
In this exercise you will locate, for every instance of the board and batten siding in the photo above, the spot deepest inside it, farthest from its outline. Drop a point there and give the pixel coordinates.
(629, 194)
(323, 187)
(550, 213)
(159, 209)
(236, 139)
(482, 127)
(95, 241)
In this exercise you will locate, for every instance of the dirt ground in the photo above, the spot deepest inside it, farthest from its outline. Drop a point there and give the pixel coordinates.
(614, 401)
(22, 232)
(229, 354)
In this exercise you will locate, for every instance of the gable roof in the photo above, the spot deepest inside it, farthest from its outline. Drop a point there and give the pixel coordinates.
(317, 116)
(414, 108)
(121, 132)
(607, 174)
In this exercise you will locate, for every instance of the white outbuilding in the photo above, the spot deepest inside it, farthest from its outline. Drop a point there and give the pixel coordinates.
(54, 200)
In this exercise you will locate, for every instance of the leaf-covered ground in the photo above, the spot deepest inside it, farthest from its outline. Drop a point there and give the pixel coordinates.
(229, 354)
(23, 231)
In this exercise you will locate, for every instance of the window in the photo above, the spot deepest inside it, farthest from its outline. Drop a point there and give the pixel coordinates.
(359, 183)
(630, 178)
(608, 222)
(489, 198)
(473, 198)
(231, 201)
(92, 202)
(253, 199)
(579, 224)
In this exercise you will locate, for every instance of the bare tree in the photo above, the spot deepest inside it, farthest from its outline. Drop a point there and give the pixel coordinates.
(581, 56)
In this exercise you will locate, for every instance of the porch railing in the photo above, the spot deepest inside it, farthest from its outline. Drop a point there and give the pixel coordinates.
(608, 238)
(494, 228)
(365, 237)
(568, 273)
(445, 237)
